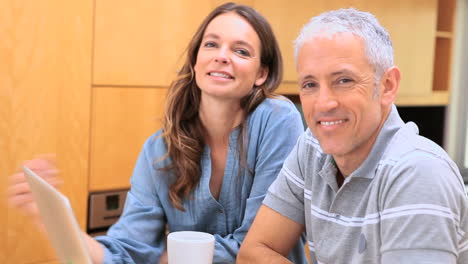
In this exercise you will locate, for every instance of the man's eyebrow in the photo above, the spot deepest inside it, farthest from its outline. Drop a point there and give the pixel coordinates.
(335, 73)
(343, 71)
(306, 77)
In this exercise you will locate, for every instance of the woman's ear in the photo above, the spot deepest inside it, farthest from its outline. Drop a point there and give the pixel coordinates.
(261, 76)
(390, 83)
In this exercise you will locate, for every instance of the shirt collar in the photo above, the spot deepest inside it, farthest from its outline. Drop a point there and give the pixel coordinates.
(390, 127)
(368, 167)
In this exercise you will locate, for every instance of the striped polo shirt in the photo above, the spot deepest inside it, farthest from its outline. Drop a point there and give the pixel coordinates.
(406, 203)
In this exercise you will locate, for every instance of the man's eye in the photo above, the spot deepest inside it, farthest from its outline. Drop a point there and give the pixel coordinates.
(344, 81)
(309, 85)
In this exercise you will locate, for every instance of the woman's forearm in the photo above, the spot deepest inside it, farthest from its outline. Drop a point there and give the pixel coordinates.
(96, 250)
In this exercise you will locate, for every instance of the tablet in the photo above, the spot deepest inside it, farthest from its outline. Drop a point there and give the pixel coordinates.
(59, 221)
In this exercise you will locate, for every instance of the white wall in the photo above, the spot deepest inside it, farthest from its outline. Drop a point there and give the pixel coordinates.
(466, 146)
(456, 136)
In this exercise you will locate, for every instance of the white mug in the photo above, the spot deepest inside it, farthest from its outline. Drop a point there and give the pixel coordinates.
(190, 247)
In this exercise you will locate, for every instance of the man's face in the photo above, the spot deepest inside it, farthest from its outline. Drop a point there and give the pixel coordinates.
(337, 91)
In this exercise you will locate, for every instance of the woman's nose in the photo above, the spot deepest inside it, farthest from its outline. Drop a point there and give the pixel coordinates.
(221, 56)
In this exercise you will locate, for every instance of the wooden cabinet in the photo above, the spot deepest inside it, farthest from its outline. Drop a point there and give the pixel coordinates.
(439, 93)
(45, 92)
(139, 43)
(414, 53)
(135, 45)
(444, 43)
(122, 119)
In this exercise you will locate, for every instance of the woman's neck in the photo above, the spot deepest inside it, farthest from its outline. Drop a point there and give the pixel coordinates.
(219, 119)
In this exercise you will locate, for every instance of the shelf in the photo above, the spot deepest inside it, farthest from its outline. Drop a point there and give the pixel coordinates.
(444, 34)
(443, 46)
(436, 98)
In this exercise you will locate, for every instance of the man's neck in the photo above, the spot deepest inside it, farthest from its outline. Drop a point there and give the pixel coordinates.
(351, 161)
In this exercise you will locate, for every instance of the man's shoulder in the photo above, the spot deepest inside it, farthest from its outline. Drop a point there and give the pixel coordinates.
(408, 144)
(309, 150)
(413, 155)
(308, 140)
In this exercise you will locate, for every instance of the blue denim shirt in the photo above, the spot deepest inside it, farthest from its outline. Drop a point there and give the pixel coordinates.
(139, 235)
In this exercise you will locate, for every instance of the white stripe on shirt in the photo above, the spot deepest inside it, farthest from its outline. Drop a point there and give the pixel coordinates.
(462, 247)
(293, 178)
(311, 246)
(416, 209)
(307, 194)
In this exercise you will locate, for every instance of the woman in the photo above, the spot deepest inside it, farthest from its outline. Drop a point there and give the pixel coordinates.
(223, 141)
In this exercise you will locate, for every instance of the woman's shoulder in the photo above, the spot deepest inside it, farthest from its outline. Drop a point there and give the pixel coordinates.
(277, 105)
(155, 145)
(154, 150)
(275, 112)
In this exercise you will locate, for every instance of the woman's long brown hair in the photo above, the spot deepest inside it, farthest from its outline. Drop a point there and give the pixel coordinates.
(182, 128)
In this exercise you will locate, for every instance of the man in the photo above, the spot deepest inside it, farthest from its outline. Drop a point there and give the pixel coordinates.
(362, 183)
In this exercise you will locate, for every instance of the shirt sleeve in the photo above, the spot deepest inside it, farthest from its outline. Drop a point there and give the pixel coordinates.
(277, 140)
(286, 194)
(424, 212)
(138, 236)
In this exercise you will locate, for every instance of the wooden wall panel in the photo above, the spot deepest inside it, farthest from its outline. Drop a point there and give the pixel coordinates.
(123, 118)
(137, 46)
(414, 52)
(412, 27)
(6, 90)
(45, 79)
(139, 43)
(287, 18)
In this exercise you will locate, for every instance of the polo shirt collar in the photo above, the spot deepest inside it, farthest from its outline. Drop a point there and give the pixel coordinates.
(390, 127)
(328, 172)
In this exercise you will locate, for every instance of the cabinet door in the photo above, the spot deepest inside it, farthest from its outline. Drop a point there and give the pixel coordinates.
(45, 78)
(411, 25)
(123, 118)
(140, 42)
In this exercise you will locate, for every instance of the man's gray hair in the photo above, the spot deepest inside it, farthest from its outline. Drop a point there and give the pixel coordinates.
(378, 46)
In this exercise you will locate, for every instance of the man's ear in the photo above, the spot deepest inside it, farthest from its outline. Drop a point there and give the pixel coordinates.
(262, 76)
(390, 82)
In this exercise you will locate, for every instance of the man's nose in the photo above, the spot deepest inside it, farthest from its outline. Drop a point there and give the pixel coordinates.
(326, 100)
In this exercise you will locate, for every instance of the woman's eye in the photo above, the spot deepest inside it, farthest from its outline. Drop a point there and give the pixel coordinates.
(243, 52)
(209, 44)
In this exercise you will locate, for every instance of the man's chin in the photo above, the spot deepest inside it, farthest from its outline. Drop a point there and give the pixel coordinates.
(332, 149)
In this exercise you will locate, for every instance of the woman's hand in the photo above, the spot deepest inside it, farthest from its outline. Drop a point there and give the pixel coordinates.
(19, 194)
(20, 197)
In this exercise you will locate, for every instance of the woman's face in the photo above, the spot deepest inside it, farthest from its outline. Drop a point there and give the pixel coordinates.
(228, 61)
